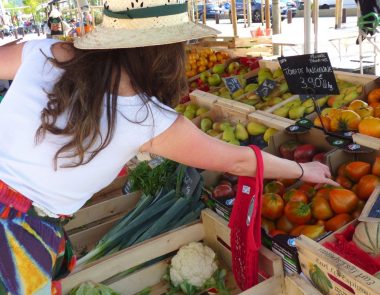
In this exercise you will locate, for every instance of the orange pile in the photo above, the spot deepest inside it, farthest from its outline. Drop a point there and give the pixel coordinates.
(202, 59)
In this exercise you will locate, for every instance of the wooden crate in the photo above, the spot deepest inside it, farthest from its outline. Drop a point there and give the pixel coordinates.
(213, 230)
(345, 277)
(92, 222)
(271, 120)
(296, 285)
(226, 103)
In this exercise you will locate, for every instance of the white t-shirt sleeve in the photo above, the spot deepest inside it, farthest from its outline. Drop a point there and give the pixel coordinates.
(36, 46)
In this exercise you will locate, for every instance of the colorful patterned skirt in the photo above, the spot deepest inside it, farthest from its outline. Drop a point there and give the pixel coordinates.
(34, 253)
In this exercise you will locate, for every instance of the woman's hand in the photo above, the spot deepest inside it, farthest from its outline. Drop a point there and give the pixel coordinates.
(316, 172)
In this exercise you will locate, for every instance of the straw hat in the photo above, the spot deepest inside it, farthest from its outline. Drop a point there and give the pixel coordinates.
(139, 23)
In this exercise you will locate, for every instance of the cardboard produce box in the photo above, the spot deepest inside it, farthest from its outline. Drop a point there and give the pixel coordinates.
(331, 273)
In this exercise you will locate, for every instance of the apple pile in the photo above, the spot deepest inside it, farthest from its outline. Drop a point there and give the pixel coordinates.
(239, 133)
(190, 110)
(200, 60)
(301, 153)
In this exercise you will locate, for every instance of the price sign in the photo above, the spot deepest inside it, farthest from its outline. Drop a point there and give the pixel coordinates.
(309, 74)
(266, 88)
(232, 84)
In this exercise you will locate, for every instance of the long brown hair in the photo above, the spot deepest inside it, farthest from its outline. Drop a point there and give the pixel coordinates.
(93, 74)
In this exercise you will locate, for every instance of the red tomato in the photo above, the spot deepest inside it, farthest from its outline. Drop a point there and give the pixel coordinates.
(295, 195)
(320, 209)
(298, 212)
(344, 181)
(337, 222)
(367, 185)
(273, 206)
(356, 170)
(284, 224)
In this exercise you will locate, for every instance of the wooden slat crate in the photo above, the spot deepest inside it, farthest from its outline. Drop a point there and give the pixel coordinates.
(213, 230)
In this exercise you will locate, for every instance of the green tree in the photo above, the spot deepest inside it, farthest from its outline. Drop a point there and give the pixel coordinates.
(34, 5)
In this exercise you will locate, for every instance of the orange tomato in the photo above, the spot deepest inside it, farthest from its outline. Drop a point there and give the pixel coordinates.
(343, 200)
(344, 181)
(376, 167)
(370, 126)
(357, 104)
(345, 120)
(294, 195)
(376, 110)
(284, 224)
(276, 232)
(308, 189)
(325, 120)
(298, 212)
(323, 193)
(356, 170)
(367, 185)
(267, 224)
(337, 222)
(320, 209)
(358, 209)
(287, 182)
(297, 230)
(374, 96)
(342, 169)
(273, 206)
(321, 222)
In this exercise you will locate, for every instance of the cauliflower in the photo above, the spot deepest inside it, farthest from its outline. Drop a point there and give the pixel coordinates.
(193, 264)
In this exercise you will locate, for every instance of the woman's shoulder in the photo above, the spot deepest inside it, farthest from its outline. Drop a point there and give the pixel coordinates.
(37, 46)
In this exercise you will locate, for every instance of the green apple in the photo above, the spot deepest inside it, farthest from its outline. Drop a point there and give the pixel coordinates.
(214, 80)
(189, 114)
(192, 107)
(218, 69)
(204, 76)
(232, 67)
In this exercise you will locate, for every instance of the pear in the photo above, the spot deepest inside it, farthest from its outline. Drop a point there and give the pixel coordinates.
(204, 76)
(282, 111)
(214, 80)
(253, 96)
(234, 141)
(351, 96)
(284, 87)
(261, 106)
(309, 109)
(212, 132)
(322, 101)
(201, 111)
(226, 95)
(216, 126)
(228, 134)
(309, 106)
(274, 100)
(264, 76)
(286, 95)
(240, 132)
(250, 87)
(277, 73)
(192, 107)
(250, 102)
(255, 128)
(296, 112)
(338, 103)
(269, 133)
(225, 125)
(189, 114)
(238, 93)
(181, 108)
(206, 124)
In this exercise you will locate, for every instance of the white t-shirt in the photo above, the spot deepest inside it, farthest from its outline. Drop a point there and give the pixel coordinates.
(28, 167)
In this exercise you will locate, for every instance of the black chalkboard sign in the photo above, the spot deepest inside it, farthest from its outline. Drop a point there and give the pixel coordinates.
(309, 74)
(266, 88)
(232, 84)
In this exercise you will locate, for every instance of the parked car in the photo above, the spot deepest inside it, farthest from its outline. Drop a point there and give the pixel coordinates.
(291, 6)
(256, 10)
(327, 4)
(211, 10)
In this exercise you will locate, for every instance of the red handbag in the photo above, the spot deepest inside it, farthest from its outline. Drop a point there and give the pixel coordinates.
(245, 224)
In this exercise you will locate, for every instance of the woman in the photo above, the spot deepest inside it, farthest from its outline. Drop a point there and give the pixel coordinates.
(75, 115)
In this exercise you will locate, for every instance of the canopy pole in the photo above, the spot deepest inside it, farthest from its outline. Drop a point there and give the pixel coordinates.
(204, 12)
(267, 14)
(307, 26)
(316, 21)
(276, 23)
(338, 14)
(249, 13)
(233, 17)
(245, 12)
